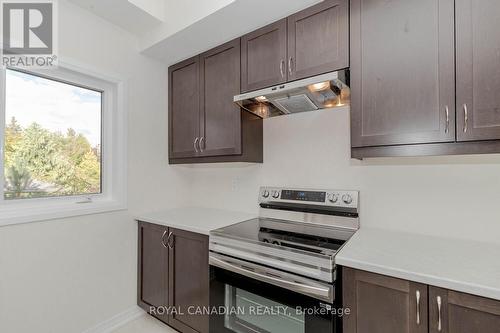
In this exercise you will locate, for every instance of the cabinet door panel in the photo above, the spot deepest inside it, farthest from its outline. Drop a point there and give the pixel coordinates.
(381, 304)
(263, 57)
(462, 313)
(318, 39)
(402, 72)
(478, 69)
(184, 111)
(188, 280)
(220, 116)
(152, 268)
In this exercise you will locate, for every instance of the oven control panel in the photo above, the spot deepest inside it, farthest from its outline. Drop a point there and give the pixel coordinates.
(334, 198)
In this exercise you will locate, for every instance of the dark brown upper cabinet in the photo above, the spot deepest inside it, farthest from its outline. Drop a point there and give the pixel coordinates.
(263, 57)
(318, 39)
(405, 57)
(205, 125)
(152, 278)
(173, 271)
(311, 42)
(381, 304)
(478, 70)
(184, 110)
(402, 72)
(220, 117)
(189, 280)
(454, 312)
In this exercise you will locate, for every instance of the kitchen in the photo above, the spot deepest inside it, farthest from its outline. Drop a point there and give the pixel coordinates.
(427, 200)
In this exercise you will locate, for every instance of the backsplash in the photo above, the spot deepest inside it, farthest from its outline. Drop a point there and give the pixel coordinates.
(452, 196)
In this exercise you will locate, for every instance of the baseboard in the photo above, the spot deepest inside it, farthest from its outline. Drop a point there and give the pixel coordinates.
(117, 320)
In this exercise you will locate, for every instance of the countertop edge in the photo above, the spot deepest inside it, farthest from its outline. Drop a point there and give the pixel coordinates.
(175, 225)
(436, 281)
(199, 220)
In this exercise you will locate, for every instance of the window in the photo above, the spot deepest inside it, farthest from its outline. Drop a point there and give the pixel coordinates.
(62, 134)
(52, 138)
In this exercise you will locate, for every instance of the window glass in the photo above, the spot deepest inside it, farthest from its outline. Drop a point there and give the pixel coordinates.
(52, 138)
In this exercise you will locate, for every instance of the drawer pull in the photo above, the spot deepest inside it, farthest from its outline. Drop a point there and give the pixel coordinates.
(196, 144)
(466, 118)
(447, 128)
(438, 300)
(417, 295)
(163, 239)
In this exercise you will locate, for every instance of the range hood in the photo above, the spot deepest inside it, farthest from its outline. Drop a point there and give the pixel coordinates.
(319, 92)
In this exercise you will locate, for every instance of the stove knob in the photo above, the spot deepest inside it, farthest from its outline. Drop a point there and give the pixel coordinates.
(265, 194)
(347, 199)
(276, 194)
(333, 197)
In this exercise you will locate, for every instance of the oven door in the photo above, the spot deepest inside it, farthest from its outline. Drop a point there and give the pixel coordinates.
(249, 298)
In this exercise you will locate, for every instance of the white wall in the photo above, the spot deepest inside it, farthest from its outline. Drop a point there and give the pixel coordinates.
(448, 196)
(65, 276)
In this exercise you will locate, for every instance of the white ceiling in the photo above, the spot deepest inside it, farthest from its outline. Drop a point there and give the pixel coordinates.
(172, 30)
(123, 13)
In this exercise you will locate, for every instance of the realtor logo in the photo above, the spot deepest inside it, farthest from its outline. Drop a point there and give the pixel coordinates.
(28, 30)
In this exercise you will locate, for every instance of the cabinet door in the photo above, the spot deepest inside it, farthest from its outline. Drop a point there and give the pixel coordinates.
(478, 70)
(220, 116)
(381, 304)
(188, 280)
(152, 289)
(184, 110)
(318, 39)
(462, 313)
(263, 57)
(402, 72)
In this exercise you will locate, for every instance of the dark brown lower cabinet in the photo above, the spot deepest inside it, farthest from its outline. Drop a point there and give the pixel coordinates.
(462, 313)
(152, 277)
(189, 281)
(382, 304)
(173, 276)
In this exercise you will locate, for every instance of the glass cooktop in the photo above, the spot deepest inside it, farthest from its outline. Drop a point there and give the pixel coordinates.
(308, 237)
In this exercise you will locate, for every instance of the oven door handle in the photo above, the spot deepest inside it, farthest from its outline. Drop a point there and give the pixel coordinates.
(324, 293)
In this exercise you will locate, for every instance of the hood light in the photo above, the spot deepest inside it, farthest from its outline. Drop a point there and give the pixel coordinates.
(261, 99)
(262, 110)
(319, 86)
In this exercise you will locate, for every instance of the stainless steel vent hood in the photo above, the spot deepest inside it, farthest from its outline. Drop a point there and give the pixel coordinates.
(319, 92)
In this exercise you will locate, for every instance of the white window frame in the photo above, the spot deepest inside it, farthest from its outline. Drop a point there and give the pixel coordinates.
(113, 194)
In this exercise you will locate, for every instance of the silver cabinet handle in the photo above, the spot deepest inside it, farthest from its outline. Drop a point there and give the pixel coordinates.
(202, 144)
(447, 128)
(169, 238)
(282, 68)
(290, 63)
(417, 294)
(438, 300)
(196, 145)
(317, 290)
(466, 118)
(163, 239)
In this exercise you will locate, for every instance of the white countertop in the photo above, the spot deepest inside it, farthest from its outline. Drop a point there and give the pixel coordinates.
(461, 265)
(195, 219)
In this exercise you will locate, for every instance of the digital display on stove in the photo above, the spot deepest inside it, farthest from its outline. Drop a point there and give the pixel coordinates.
(303, 195)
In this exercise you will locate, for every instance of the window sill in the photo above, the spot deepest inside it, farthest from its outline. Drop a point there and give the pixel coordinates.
(27, 213)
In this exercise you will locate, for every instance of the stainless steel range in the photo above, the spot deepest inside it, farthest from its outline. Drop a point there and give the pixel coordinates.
(285, 258)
